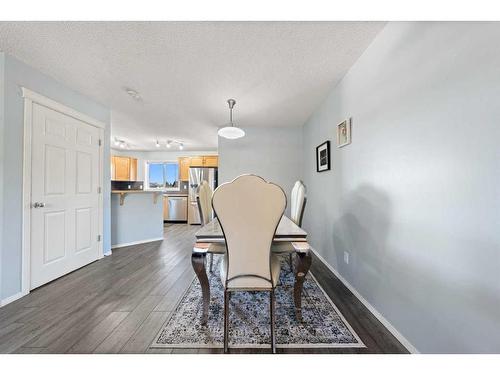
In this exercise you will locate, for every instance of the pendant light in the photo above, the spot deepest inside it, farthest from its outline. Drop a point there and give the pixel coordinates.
(230, 131)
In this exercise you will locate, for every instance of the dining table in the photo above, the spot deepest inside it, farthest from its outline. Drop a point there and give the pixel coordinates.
(287, 231)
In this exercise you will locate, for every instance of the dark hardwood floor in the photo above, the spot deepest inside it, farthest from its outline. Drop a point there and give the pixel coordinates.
(119, 303)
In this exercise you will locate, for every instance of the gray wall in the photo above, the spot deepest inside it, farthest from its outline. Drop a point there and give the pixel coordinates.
(415, 198)
(272, 153)
(19, 74)
(2, 112)
(139, 219)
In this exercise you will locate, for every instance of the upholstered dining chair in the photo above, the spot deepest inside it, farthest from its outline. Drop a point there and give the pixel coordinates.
(204, 200)
(249, 210)
(298, 201)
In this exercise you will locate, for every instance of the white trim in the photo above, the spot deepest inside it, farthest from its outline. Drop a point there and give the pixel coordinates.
(47, 102)
(26, 219)
(101, 193)
(11, 299)
(135, 243)
(367, 304)
(31, 97)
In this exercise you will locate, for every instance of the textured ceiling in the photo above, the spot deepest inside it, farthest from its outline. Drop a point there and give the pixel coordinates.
(278, 72)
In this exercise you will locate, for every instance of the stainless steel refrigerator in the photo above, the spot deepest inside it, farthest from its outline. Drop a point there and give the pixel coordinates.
(196, 176)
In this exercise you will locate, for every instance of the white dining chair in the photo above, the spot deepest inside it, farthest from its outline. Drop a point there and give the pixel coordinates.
(204, 200)
(249, 210)
(298, 201)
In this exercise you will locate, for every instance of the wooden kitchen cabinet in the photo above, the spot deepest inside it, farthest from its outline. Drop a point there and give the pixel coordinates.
(196, 161)
(123, 168)
(133, 169)
(210, 161)
(184, 164)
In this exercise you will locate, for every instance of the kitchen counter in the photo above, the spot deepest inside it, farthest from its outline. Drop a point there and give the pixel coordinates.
(124, 193)
(136, 217)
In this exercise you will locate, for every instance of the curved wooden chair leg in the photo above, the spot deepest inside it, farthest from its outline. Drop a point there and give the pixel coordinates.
(211, 262)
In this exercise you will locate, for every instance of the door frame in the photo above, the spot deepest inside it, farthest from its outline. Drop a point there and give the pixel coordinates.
(30, 98)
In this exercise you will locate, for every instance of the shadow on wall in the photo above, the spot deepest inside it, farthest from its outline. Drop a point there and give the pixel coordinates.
(362, 232)
(397, 279)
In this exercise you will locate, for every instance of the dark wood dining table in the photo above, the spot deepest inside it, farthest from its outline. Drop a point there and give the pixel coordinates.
(287, 231)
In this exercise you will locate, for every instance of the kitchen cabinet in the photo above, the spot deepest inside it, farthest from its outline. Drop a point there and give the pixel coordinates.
(184, 164)
(210, 161)
(133, 169)
(123, 168)
(195, 161)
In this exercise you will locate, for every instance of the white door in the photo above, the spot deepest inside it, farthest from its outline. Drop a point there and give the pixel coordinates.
(64, 194)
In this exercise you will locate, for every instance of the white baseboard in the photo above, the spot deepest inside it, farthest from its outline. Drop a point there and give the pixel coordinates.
(136, 242)
(367, 304)
(10, 299)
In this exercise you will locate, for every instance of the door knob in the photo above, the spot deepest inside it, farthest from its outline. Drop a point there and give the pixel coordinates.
(38, 205)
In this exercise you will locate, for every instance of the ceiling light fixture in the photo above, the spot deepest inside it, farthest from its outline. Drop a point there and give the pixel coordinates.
(230, 131)
(121, 143)
(171, 142)
(133, 93)
(157, 144)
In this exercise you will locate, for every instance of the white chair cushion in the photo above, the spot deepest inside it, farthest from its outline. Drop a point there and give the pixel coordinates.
(251, 282)
(205, 247)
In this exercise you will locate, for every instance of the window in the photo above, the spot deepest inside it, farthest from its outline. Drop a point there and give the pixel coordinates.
(162, 175)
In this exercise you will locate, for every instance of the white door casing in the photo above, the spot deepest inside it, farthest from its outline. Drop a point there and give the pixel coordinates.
(64, 154)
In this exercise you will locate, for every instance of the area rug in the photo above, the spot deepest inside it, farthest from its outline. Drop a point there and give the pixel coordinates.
(322, 325)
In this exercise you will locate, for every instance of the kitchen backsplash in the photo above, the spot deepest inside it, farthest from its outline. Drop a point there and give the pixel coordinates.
(139, 185)
(184, 187)
(127, 185)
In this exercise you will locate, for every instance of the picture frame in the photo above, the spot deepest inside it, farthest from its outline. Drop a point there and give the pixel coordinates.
(323, 157)
(344, 133)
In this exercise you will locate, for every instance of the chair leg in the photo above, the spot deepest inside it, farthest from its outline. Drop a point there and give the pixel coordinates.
(290, 261)
(211, 262)
(272, 308)
(226, 321)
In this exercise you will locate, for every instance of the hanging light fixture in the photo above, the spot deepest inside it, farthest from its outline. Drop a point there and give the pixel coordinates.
(169, 144)
(181, 146)
(230, 131)
(157, 144)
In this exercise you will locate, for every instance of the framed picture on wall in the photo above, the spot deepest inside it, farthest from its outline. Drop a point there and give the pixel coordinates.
(323, 157)
(344, 133)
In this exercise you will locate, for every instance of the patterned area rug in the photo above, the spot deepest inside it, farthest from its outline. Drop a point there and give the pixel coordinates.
(322, 324)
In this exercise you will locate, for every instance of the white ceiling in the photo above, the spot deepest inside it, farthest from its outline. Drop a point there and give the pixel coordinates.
(278, 72)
